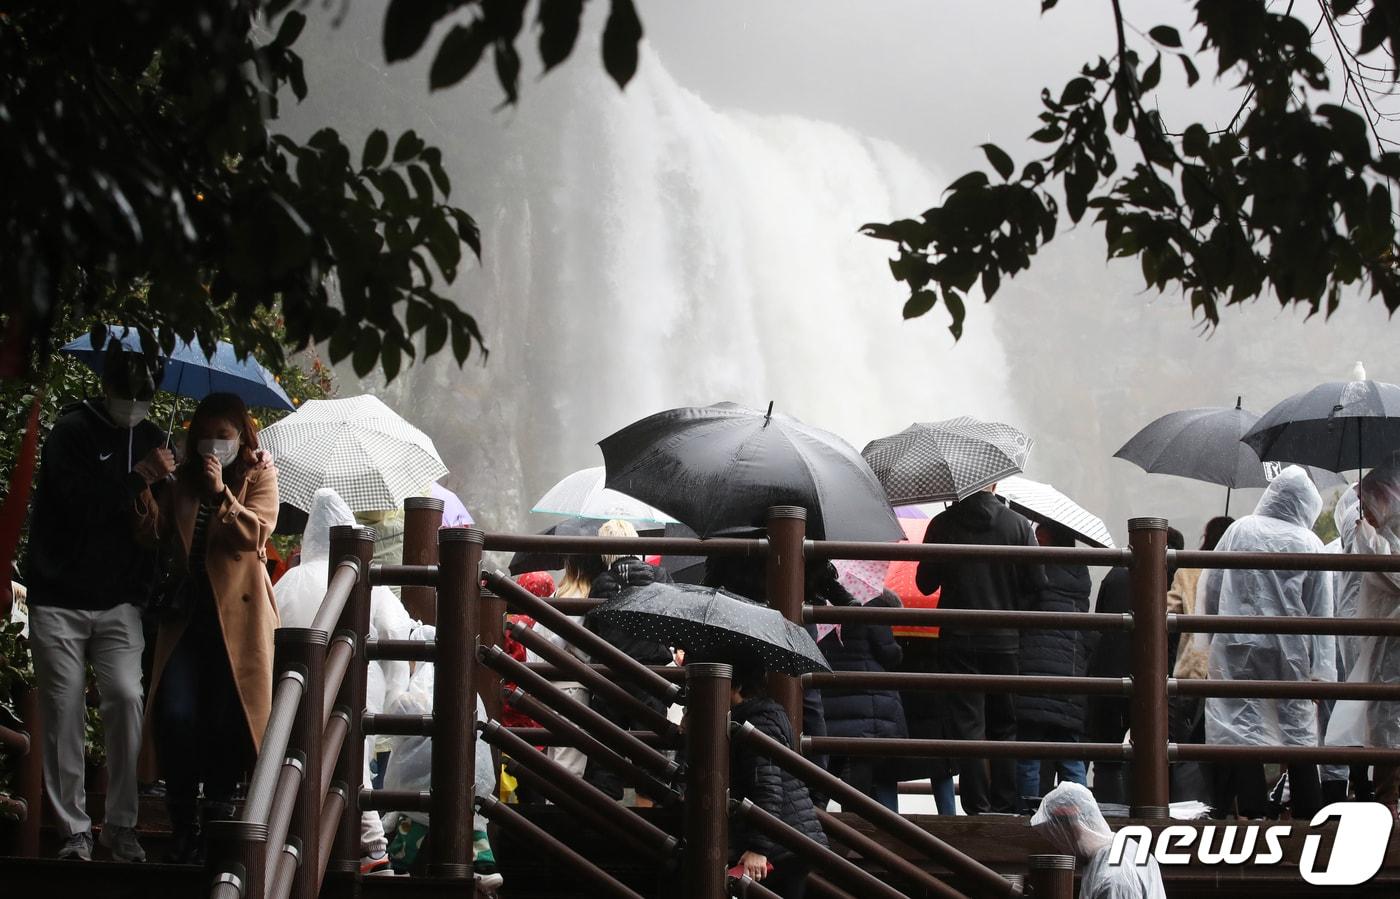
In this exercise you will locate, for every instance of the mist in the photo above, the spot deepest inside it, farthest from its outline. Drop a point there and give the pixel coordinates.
(694, 239)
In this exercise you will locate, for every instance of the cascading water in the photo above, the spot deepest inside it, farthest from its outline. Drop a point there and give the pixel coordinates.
(647, 251)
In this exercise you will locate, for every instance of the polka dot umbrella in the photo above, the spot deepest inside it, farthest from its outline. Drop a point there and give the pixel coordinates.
(713, 625)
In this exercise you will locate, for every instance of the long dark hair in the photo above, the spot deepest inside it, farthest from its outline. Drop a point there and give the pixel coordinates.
(1215, 529)
(221, 407)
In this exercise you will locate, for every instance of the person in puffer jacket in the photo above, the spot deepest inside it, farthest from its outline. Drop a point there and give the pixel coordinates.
(1056, 654)
(757, 778)
(624, 573)
(865, 713)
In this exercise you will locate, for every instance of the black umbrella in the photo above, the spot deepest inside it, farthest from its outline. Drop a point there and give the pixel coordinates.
(683, 569)
(942, 461)
(1337, 426)
(1205, 444)
(713, 625)
(529, 560)
(719, 468)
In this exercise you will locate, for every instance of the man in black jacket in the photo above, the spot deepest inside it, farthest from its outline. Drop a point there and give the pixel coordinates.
(88, 577)
(981, 520)
(1054, 653)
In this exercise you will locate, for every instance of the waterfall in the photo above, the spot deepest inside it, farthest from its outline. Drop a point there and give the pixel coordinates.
(646, 250)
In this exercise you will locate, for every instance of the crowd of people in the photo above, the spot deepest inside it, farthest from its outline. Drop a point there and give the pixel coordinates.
(186, 687)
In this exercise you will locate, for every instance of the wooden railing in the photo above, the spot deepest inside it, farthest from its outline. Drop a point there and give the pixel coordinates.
(301, 821)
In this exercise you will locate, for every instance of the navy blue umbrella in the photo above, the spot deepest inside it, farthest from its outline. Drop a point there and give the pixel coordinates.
(188, 372)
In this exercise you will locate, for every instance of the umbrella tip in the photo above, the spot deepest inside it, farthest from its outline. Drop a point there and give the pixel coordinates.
(769, 414)
(1358, 372)
(1239, 401)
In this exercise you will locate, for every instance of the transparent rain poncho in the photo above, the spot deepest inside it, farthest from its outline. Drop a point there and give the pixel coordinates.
(1070, 819)
(300, 591)
(1358, 722)
(1282, 522)
(1346, 585)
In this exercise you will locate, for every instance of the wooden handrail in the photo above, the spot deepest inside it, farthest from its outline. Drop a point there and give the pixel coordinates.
(338, 659)
(286, 696)
(853, 839)
(818, 855)
(283, 801)
(511, 820)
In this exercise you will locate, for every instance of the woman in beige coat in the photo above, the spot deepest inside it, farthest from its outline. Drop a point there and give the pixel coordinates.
(211, 685)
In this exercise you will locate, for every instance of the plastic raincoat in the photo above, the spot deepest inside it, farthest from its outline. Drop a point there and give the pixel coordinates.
(1358, 722)
(1282, 522)
(1346, 585)
(1070, 819)
(299, 593)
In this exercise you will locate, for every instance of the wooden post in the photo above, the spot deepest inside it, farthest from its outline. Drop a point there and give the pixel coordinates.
(454, 702)
(1147, 539)
(1051, 876)
(493, 621)
(787, 528)
(349, 766)
(707, 779)
(422, 516)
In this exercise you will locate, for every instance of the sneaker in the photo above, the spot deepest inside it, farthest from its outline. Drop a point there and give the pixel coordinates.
(122, 842)
(78, 846)
(487, 875)
(377, 863)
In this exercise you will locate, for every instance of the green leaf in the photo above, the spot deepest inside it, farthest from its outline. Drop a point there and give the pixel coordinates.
(1076, 91)
(436, 334)
(407, 24)
(459, 53)
(443, 244)
(290, 29)
(621, 35)
(1165, 35)
(919, 303)
(972, 180)
(999, 160)
(407, 146)
(1192, 76)
(508, 70)
(467, 230)
(1152, 75)
(422, 184)
(1048, 134)
(954, 304)
(392, 360)
(366, 351)
(559, 26)
(1195, 142)
(376, 148)
(991, 281)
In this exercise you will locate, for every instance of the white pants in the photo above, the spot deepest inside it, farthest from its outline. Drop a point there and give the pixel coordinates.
(569, 756)
(63, 642)
(372, 839)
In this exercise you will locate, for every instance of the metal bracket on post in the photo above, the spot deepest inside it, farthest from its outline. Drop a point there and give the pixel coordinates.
(422, 517)
(454, 701)
(1150, 794)
(707, 778)
(787, 529)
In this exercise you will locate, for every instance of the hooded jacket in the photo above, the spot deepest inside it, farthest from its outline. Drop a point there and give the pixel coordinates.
(1057, 653)
(84, 552)
(757, 778)
(1282, 522)
(981, 520)
(863, 713)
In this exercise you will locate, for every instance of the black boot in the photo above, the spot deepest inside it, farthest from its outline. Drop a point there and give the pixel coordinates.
(212, 810)
(185, 833)
(1334, 791)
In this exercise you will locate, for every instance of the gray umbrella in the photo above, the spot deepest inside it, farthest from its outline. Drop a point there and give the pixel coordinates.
(942, 461)
(1338, 426)
(714, 625)
(1205, 444)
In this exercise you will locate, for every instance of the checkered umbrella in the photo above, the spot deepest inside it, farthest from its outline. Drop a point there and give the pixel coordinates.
(946, 460)
(357, 446)
(1043, 503)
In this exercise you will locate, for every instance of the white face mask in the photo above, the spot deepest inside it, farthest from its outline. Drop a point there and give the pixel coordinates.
(128, 413)
(223, 450)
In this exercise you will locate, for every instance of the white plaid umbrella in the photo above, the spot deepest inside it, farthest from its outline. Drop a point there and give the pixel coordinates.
(1043, 503)
(358, 447)
(946, 460)
(582, 495)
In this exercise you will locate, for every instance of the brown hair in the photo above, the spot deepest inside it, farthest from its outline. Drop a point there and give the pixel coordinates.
(221, 407)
